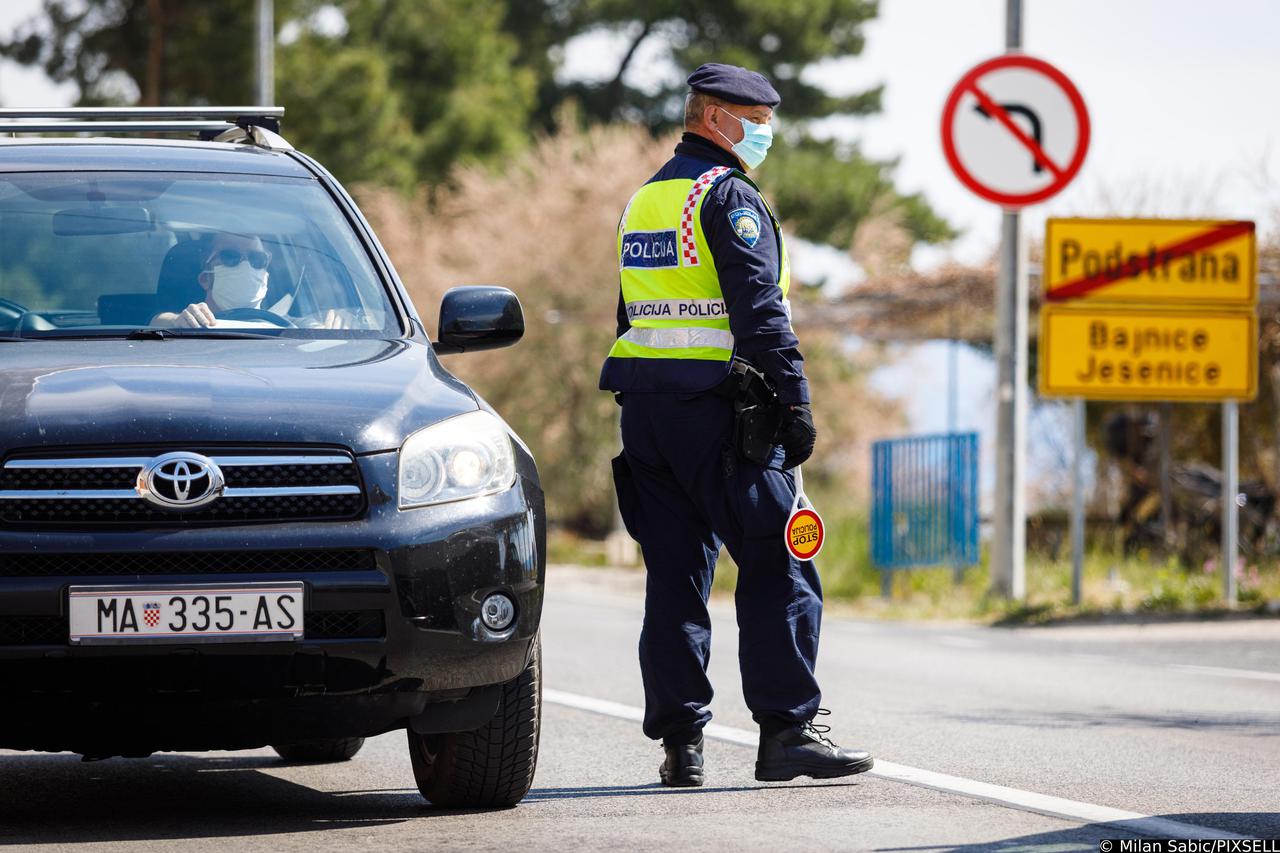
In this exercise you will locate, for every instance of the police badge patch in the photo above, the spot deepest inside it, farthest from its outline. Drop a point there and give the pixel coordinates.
(746, 224)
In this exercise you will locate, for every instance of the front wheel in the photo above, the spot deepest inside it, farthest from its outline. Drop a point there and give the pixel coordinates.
(493, 766)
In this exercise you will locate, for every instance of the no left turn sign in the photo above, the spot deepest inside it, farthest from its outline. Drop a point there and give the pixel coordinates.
(1015, 130)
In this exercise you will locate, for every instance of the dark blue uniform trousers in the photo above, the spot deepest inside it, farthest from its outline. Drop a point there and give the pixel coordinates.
(680, 504)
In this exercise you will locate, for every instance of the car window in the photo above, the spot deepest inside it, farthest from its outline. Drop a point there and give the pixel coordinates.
(112, 252)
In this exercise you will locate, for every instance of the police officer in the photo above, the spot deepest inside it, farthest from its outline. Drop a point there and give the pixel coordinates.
(704, 277)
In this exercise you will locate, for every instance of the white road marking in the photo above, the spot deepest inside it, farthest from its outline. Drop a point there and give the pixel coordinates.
(1029, 801)
(590, 703)
(1194, 669)
(1225, 672)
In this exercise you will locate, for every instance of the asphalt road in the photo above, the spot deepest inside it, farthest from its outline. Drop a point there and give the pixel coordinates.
(1179, 722)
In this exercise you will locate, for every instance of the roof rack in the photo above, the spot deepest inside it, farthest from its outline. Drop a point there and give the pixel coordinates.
(258, 126)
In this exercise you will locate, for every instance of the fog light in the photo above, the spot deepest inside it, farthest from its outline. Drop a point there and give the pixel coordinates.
(497, 612)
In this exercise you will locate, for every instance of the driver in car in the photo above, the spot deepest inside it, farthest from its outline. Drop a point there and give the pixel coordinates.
(234, 278)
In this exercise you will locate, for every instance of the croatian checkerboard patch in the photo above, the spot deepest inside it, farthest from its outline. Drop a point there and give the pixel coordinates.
(746, 224)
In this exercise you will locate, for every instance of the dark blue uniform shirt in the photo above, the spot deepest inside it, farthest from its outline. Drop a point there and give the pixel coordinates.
(748, 279)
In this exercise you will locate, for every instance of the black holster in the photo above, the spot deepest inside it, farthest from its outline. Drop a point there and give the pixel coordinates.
(758, 414)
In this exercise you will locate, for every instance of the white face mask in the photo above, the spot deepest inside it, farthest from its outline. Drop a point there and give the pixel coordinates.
(756, 139)
(240, 286)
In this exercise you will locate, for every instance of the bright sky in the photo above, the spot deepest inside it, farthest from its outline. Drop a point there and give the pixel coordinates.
(21, 86)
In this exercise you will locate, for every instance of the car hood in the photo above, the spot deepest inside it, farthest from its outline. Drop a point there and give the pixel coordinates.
(367, 395)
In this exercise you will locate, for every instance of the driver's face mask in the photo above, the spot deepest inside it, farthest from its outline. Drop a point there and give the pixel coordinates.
(239, 286)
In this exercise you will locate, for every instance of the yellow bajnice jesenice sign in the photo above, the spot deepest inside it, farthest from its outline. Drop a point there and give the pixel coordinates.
(1105, 353)
(1151, 261)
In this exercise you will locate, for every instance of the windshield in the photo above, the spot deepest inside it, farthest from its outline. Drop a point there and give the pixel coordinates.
(109, 254)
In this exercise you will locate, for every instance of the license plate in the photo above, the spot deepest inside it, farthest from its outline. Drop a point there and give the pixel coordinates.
(184, 614)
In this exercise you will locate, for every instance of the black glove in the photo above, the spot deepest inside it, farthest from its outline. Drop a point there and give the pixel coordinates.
(797, 435)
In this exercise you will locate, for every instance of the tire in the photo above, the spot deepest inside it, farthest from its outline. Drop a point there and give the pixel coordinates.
(325, 751)
(493, 766)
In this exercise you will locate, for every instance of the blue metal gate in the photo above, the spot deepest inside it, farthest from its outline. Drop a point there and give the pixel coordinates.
(924, 507)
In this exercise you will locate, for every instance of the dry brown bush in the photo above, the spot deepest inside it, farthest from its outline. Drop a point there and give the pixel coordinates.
(544, 226)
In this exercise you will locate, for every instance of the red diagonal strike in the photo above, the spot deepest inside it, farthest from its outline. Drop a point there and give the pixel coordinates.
(996, 111)
(1165, 254)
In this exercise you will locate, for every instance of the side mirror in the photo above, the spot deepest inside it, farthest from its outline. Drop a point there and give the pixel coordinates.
(478, 317)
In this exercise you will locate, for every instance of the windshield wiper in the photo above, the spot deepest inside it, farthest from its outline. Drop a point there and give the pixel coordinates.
(169, 334)
(220, 333)
(148, 335)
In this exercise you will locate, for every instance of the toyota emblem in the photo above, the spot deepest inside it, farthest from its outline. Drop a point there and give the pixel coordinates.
(180, 481)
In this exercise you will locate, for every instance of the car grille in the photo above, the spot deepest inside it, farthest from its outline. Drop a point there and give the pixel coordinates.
(92, 490)
(345, 625)
(184, 563)
(33, 630)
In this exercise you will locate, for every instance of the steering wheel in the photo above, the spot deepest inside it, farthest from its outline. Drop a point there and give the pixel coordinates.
(257, 314)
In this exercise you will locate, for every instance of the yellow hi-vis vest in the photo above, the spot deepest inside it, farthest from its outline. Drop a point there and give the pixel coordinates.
(669, 281)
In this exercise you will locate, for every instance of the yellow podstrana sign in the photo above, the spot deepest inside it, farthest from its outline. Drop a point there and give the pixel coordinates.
(1148, 261)
(1104, 353)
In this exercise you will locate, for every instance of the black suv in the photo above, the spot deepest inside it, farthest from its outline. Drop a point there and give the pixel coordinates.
(241, 502)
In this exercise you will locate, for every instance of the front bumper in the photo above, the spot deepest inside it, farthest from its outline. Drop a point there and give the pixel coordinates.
(429, 570)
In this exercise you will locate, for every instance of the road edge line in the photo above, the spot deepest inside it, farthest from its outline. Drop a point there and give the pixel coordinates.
(1028, 801)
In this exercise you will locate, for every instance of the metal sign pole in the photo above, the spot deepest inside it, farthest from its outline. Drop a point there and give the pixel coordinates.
(266, 52)
(1077, 500)
(1008, 564)
(1166, 473)
(1013, 24)
(1230, 488)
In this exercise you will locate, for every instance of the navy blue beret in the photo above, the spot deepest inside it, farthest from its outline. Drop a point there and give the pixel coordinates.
(735, 85)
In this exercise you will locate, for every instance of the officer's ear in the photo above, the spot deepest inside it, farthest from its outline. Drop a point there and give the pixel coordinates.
(722, 123)
(711, 117)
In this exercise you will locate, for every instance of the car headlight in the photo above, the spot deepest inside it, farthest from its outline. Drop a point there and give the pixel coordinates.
(464, 457)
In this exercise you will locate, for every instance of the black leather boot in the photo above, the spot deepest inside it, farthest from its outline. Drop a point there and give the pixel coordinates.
(802, 750)
(683, 765)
